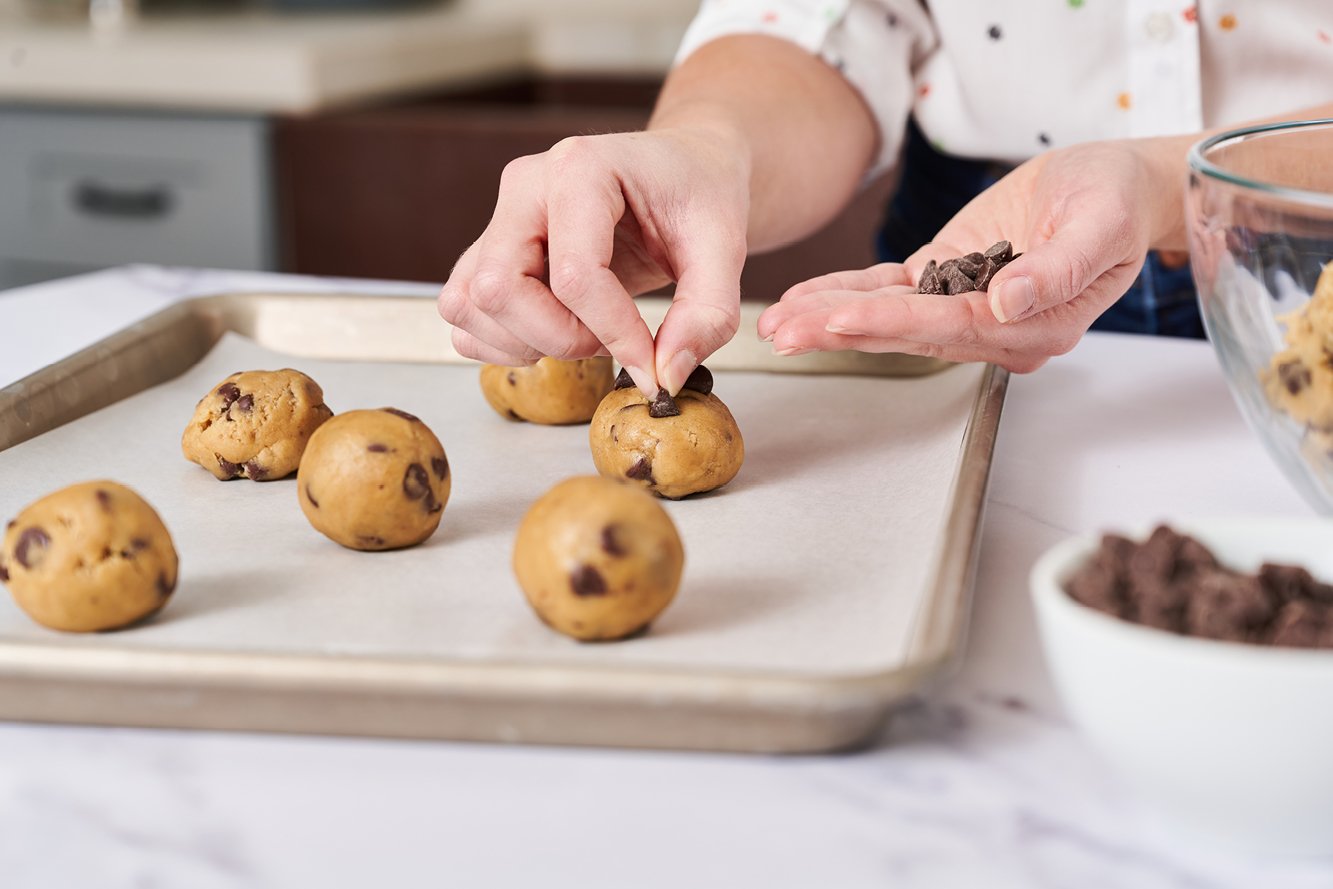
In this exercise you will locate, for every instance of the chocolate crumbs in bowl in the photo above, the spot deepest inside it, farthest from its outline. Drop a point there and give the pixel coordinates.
(1173, 582)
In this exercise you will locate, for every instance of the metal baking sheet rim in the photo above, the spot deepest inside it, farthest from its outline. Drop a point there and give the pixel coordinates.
(469, 701)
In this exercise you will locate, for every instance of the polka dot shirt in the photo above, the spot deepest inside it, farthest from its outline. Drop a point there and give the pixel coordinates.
(1007, 79)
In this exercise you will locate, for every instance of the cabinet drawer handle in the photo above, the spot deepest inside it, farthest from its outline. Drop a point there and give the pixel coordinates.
(96, 199)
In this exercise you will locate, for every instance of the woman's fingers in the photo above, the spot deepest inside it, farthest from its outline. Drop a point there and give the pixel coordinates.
(705, 312)
(1080, 250)
(469, 346)
(886, 274)
(957, 328)
(584, 205)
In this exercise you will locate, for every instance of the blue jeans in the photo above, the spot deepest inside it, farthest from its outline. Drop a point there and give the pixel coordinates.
(935, 186)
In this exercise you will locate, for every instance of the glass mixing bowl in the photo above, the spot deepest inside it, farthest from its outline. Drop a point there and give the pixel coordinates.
(1260, 217)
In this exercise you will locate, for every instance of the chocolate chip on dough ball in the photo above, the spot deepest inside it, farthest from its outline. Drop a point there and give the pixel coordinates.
(673, 447)
(374, 479)
(550, 392)
(90, 557)
(598, 559)
(255, 424)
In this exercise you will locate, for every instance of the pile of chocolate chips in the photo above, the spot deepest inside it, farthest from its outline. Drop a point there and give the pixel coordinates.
(1175, 583)
(966, 273)
(700, 380)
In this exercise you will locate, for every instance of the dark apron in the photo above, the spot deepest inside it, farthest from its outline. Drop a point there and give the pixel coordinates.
(935, 186)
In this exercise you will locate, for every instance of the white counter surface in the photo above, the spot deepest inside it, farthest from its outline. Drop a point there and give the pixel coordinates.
(983, 786)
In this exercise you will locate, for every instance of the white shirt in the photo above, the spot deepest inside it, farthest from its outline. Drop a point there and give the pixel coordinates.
(1006, 79)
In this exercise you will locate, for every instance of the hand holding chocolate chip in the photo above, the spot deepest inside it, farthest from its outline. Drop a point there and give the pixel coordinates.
(374, 479)
(1085, 217)
(255, 424)
(598, 559)
(674, 447)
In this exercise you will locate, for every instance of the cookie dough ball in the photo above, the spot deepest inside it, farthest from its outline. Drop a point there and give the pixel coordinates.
(598, 559)
(375, 479)
(93, 556)
(696, 449)
(255, 424)
(1300, 380)
(550, 392)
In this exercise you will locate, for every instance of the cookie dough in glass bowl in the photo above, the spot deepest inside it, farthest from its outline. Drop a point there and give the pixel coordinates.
(1260, 215)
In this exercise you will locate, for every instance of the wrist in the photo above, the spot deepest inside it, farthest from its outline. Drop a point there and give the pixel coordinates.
(1166, 172)
(708, 125)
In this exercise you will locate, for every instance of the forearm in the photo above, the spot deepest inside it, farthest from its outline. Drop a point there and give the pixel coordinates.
(1166, 158)
(807, 135)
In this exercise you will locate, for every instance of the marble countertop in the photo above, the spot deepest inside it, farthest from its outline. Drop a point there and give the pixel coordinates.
(984, 785)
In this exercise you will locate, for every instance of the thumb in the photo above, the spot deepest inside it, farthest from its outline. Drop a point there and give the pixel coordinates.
(1055, 271)
(705, 312)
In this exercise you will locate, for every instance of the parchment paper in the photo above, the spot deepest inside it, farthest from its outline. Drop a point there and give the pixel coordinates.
(812, 561)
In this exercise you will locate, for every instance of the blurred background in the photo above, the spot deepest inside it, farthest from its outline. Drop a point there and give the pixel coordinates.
(326, 137)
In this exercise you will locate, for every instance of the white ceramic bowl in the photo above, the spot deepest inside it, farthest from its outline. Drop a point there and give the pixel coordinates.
(1234, 742)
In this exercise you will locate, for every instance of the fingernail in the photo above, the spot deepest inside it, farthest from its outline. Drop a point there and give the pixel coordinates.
(645, 381)
(1013, 298)
(678, 370)
(766, 339)
(792, 350)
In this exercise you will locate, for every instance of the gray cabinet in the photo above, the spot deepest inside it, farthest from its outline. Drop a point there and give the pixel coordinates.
(81, 190)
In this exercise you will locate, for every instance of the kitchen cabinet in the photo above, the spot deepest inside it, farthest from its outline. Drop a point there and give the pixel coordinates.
(84, 189)
(399, 191)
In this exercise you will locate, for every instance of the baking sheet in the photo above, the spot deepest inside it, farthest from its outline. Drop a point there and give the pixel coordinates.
(813, 562)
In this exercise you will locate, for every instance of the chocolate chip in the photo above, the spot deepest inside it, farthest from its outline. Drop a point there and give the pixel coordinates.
(441, 467)
(416, 484)
(641, 470)
(4, 573)
(700, 380)
(377, 448)
(229, 392)
(369, 540)
(587, 581)
(165, 587)
(663, 406)
(970, 264)
(930, 281)
(30, 548)
(1294, 375)
(610, 545)
(103, 499)
(1000, 251)
(231, 469)
(512, 378)
(255, 471)
(311, 497)
(956, 282)
(1303, 624)
(404, 414)
(623, 380)
(987, 271)
(994, 32)
(245, 403)
(139, 544)
(513, 415)
(1227, 606)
